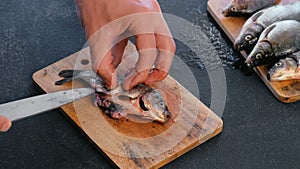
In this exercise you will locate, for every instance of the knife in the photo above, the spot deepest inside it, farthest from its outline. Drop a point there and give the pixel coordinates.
(31, 106)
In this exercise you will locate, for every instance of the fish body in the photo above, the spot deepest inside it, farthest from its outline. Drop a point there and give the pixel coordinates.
(286, 69)
(142, 100)
(278, 40)
(259, 21)
(246, 7)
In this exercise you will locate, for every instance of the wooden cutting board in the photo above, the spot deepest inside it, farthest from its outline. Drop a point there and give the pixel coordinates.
(285, 91)
(128, 143)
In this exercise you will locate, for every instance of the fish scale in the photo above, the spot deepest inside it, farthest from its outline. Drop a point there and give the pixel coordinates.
(286, 69)
(244, 7)
(282, 38)
(280, 12)
(265, 18)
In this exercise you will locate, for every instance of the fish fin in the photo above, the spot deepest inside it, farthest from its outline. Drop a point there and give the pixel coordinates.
(294, 58)
(63, 81)
(269, 29)
(70, 73)
(288, 52)
(256, 15)
(66, 73)
(265, 40)
(296, 55)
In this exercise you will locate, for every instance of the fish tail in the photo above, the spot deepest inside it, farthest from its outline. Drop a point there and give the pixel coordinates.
(63, 81)
(68, 73)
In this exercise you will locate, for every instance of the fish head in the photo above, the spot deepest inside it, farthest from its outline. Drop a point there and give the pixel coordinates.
(261, 54)
(235, 8)
(284, 69)
(154, 106)
(248, 37)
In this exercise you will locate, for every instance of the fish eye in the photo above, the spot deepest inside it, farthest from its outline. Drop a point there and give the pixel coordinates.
(278, 64)
(233, 9)
(161, 104)
(248, 37)
(258, 56)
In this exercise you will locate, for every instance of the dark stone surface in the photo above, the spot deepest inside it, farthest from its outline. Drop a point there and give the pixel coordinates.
(259, 131)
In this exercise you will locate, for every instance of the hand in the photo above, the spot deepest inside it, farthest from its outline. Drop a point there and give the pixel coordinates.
(110, 23)
(5, 124)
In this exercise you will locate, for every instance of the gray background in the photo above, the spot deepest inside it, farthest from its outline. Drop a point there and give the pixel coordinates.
(259, 131)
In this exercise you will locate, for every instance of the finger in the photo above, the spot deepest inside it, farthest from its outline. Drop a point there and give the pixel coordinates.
(146, 47)
(118, 51)
(106, 70)
(100, 47)
(155, 76)
(166, 49)
(5, 123)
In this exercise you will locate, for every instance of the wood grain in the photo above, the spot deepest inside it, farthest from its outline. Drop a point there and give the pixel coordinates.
(285, 91)
(128, 143)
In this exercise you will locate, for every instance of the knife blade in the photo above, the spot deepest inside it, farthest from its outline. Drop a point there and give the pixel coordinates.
(27, 107)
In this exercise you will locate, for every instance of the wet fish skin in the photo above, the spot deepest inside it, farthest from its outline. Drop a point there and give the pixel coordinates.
(286, 69)
(153, 101)
(255, 25)
(277, 41)
(142, 100)
(246, 7)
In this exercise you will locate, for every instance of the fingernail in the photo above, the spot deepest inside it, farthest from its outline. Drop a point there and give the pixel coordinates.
(5, 127)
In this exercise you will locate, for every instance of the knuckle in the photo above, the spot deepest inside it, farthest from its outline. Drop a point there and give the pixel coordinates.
(172, 46)
(156, 5)
(146, 8)
(168, 44)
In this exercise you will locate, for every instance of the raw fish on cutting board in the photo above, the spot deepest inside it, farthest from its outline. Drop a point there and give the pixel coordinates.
(285, 91)
(129, 144)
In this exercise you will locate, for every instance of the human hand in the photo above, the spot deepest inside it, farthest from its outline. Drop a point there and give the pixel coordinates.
(5, 124)
(110, 23)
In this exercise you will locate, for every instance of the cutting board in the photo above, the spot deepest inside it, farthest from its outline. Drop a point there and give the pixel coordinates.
(129, 143)
(285, 91)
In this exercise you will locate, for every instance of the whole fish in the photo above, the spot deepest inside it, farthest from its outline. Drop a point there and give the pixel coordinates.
(246, 7)
(255, 25)
(142, 101)
(278, 40)
(286, 69)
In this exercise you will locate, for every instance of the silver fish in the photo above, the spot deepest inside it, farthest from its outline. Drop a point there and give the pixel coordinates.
(255, 25)
(286, 69)
(142, 101)
(278, 40)
(246, 7)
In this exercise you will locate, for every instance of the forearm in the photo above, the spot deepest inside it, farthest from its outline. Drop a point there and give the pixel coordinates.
(92, 14)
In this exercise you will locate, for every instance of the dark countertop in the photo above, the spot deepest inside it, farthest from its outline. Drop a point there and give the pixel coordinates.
(259, 131)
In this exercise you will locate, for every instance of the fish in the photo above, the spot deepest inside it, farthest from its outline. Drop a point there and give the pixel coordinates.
(286, 69)
(246, 7)
(276, 41)
(141, 101)
(259, 21)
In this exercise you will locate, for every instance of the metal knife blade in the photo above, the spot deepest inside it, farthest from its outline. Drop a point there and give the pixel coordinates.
(19, 109)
